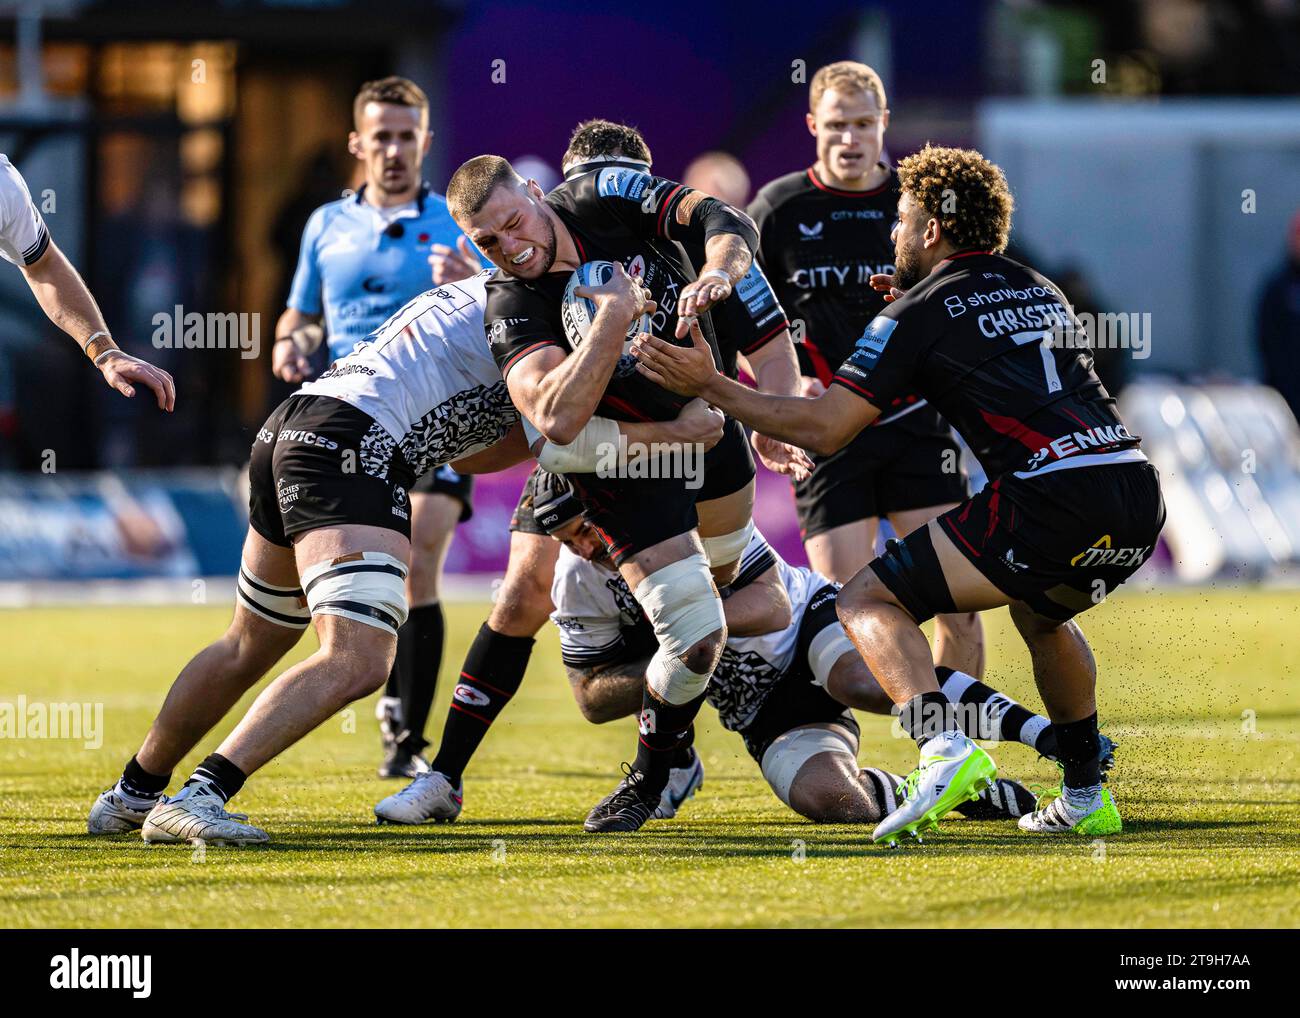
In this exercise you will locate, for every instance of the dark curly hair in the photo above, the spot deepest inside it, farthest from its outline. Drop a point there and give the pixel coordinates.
(594, 138)
(964, 191)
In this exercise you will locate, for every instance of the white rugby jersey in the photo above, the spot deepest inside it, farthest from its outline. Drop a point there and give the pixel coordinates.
(23, 235)
(428, 379)
(600, 622)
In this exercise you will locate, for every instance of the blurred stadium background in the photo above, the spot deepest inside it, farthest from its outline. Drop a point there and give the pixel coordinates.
(177, 148)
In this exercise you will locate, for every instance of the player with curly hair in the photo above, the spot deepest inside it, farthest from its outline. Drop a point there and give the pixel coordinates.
(1072, 508)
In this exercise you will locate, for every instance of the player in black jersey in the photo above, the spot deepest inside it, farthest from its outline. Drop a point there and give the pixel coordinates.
(752, 328)
(630, 219)
(1072, 509)
(823, 233)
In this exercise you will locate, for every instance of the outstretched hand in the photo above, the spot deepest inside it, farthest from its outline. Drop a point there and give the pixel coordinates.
(685, 370)
(883, 282)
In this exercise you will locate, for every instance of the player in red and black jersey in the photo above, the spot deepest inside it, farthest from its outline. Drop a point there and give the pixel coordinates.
(823, 233)
(632, 220)
(751, 327)
(1072, 509)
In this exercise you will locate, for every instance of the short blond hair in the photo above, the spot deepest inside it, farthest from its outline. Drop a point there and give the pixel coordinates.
(845, 76)
(975, 189)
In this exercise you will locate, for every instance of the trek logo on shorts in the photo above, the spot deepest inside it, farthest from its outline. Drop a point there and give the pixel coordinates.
(1102, 554)
(470, 695)
(645, 724)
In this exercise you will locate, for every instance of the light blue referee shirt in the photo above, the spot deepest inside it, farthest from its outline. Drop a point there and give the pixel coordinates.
(359, 264)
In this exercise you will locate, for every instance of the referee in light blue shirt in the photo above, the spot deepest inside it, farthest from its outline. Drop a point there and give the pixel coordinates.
(362, 258)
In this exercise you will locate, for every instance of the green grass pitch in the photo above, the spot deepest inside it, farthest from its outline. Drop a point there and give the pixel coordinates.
(1202, 689)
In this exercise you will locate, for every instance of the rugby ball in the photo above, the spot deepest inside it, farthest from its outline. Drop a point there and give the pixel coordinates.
(578, 313)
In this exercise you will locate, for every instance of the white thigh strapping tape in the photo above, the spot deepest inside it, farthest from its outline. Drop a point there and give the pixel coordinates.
(827, 647)
(728, 547)
(367, 587)
(285, 606)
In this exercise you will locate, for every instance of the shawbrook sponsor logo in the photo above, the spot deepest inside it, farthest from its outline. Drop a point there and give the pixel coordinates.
(179, 329)
(79, 722)
(77, 971)
(652, 461)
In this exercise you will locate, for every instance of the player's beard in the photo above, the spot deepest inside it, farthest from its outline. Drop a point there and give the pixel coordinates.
(907, 268)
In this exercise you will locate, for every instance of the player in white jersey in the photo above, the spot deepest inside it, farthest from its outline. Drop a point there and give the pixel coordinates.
(785, 682)
(328, 544)
(25, 241)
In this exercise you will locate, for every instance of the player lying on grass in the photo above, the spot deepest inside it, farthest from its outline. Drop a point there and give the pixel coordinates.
(1072, 509)
(786, 680)
(328, 545)
(752, 330)
(559, 376)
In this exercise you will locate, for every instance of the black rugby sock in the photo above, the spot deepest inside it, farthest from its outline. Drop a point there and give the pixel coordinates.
(1079, 744)
(927, 715)
(419, 658)
(138, 783)
(494, 668)
(997, 717)
(662, 730)
(220, 775)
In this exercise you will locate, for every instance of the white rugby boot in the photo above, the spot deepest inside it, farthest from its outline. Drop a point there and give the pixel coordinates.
(112, 814)
(196, 814)
(429, 797)
(952, 770)
(683, 782)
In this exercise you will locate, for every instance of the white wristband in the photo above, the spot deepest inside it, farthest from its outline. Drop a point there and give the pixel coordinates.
(722, 276)
(100, 359)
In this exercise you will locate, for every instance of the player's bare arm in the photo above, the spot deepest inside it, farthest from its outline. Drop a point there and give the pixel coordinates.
(558, 393)
(610, 691)
(760, 607)
(297, 335)
(727, 259)
(69, 304)
(821, 425)
(775, 369)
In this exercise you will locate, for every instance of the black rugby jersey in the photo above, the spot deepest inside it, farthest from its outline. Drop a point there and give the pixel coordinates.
(616, 213)
(995, 348)
(820, 246)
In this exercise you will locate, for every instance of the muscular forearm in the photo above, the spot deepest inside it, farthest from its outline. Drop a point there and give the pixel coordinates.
(727, 253)
(565, 398)
(512, 449)
(761, 607)
(792, 419)
(63, 295)
(606, 694)
(775, 366)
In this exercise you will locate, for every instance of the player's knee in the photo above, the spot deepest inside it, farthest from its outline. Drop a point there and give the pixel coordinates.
(682, 605)
(522, 604)
(862, 595)
(838, 802)
(703, 655)
(1033, 626)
